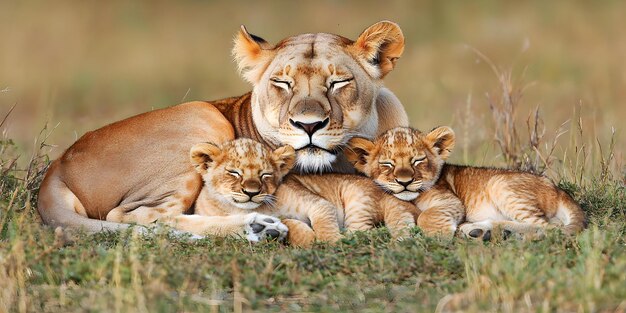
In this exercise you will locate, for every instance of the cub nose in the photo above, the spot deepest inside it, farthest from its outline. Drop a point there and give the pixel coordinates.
(404, 183)
(309, 128)
(251, 193)
(251, 187)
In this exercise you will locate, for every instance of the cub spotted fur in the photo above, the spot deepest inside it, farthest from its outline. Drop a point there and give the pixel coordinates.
(243, 176)
(411, 165)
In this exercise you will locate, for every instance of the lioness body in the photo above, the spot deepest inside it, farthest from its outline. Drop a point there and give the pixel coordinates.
(242, 176)
(129, 164)
(410, 164)
(114, 166)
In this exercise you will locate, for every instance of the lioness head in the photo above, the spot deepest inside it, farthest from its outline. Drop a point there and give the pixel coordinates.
(403, 161)
(242, 172)
(316, 91)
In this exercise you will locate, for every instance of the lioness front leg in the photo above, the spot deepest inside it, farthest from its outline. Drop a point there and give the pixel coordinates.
(169, 211)
(254, 226)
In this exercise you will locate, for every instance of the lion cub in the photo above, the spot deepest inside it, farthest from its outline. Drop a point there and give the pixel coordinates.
(410, 165)
(242, 176)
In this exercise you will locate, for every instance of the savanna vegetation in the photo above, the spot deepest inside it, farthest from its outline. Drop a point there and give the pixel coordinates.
(537, 85)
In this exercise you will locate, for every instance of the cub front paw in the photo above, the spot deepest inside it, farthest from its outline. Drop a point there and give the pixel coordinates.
(478, 230)
(261, 227)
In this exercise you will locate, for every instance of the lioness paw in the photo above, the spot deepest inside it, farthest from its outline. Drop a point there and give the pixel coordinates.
(260, 227)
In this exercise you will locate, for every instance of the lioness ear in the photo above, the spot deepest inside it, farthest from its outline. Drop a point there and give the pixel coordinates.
(284, 157)
(359, 149)
(250, 53)
(204, 153)
(380, 46)
(441, 139)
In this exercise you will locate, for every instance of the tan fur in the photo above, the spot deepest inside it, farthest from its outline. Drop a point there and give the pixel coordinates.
(325, 202)
(129, 164)
(410, 164)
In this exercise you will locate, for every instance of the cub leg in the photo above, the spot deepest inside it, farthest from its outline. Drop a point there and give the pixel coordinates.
(300, 234)
(399, 216)
(321, 213)
(361, 210)
(323, 216)
(442, 212)
(484, 229)
(526, 218)
(520, 230)
(519, 203)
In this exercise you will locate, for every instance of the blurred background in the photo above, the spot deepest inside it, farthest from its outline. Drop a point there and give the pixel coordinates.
(79, 65)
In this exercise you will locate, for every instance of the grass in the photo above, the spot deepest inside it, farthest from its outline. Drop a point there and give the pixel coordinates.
(87, 64)
(366, 272)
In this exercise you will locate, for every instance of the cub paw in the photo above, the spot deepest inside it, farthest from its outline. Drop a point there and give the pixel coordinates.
(478, 230)
(261, 227)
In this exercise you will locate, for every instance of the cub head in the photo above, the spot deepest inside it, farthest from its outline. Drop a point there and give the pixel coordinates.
(242, 172)
(403, 161)
(315, 91)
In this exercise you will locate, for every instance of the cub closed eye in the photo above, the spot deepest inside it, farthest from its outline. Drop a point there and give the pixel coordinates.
(234, 173)
(386, 164)
(281, 84)
(418, 161)
(266, 175)
(334, 85)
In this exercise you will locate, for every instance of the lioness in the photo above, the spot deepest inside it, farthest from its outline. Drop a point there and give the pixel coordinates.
(411, 165)
(311, 91)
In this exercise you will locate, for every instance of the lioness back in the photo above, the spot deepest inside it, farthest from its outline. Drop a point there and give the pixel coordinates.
(411, 165)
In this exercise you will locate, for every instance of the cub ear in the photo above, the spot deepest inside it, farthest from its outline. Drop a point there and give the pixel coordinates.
(358, 152)
(250, 53)
(380, 45)
(284, 157)
(204, 153)
(441, 139)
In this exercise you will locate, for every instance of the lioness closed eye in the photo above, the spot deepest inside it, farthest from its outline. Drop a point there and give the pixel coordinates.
(410, 165)
(243, 176)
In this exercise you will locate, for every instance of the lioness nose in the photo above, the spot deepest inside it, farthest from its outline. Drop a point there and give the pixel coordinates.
(404, 182)
(309, 128)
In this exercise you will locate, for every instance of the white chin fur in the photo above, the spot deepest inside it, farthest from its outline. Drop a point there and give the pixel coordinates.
(246, 205)
(316, 161)
(407, 195)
